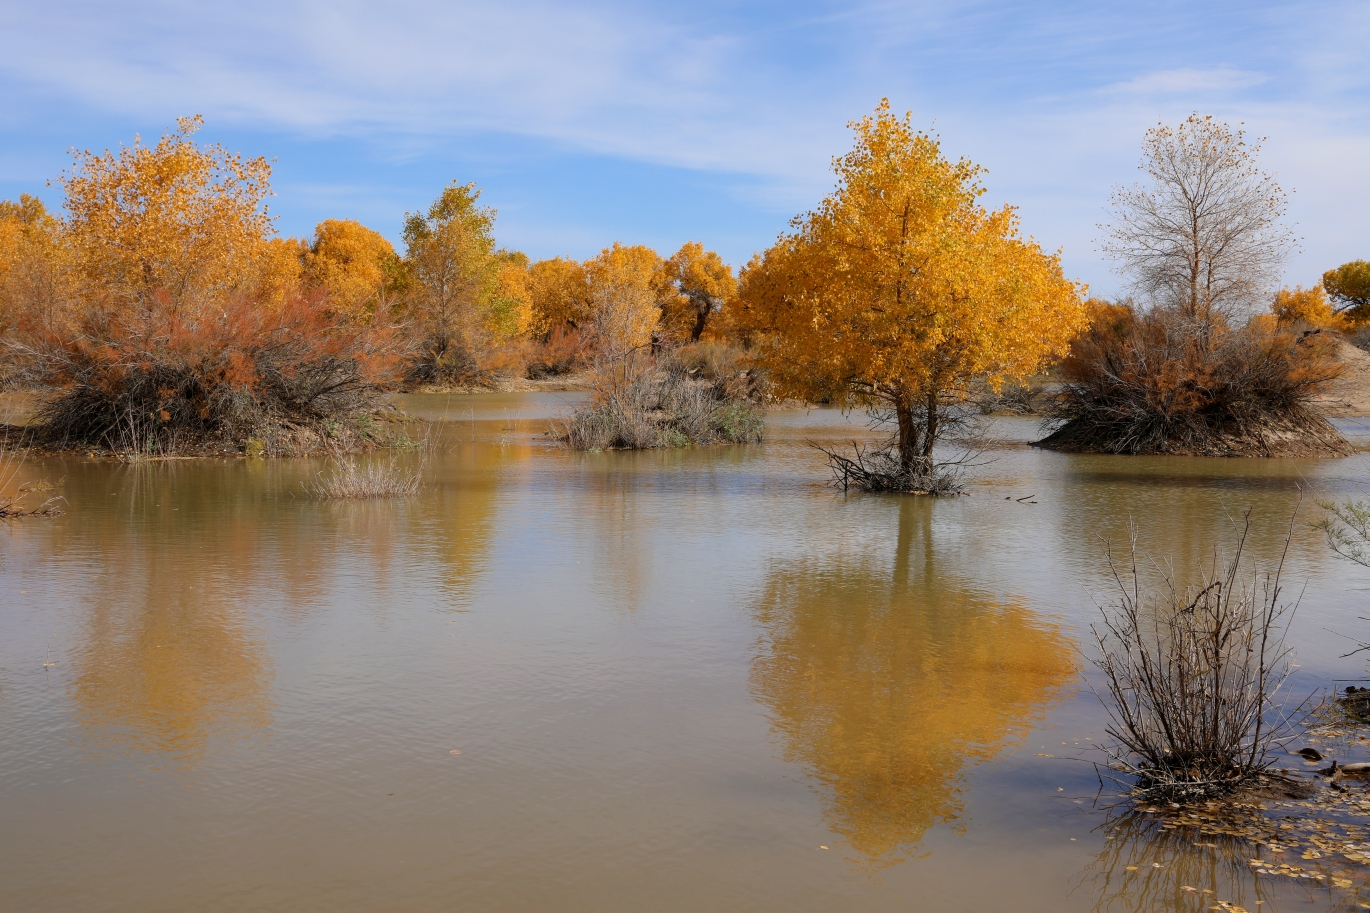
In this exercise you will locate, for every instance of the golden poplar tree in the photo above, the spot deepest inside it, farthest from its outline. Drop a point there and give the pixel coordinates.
(900, 289)
(625, 288)
(185, 222)
(450, 255)
(559, 293)
(698, 284)
(356, 266)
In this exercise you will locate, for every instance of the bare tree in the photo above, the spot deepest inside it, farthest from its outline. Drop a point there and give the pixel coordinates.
(1204, 236)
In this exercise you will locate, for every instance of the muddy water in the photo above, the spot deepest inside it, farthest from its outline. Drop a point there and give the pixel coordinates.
(689, 680)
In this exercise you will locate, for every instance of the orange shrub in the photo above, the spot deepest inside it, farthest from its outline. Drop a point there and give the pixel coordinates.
(1148, 383)
(170, 377)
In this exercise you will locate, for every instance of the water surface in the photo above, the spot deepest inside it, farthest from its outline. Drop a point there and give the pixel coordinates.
(673, 678)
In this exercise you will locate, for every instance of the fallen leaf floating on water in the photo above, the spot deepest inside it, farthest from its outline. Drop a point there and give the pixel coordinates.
(821, 847)
(455, 751)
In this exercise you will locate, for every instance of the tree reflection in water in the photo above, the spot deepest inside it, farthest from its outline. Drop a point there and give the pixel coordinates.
(886, 683)
(168, 657)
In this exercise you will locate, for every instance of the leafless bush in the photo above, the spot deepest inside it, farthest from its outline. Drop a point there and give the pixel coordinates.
(877, 469)
(1360, 337)
(1347, 526)
(1013, 399)
(349, 480)
(880, 468)
(1191, 675)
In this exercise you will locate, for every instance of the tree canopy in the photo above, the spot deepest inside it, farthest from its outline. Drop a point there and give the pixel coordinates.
(1349, 286)
(899, 289)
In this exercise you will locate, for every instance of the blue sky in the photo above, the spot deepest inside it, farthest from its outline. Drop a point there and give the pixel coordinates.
(590, 122)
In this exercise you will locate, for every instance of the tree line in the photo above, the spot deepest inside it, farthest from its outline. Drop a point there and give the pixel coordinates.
(161, 310)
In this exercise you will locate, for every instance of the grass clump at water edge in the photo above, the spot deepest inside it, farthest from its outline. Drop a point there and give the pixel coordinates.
(350, 480)
(13, 492)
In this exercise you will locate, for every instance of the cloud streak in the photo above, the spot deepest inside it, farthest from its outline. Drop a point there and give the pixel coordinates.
(1053, 99)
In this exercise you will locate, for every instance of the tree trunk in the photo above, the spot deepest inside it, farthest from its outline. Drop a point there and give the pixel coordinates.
(930, 433)
(701, 318)
(908, 432)
(917, 433)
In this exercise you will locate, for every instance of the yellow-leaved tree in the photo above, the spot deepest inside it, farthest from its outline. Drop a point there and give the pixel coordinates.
(697, 284)
(511, 305)
(559, 291)
(179, 220)
(356, 266)
(33, 263)
(1309, 306)
(624, 283)
(899, 290)
(450, 255)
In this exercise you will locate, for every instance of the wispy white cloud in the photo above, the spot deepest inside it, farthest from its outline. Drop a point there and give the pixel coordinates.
(1188, 81)
(1053, 99)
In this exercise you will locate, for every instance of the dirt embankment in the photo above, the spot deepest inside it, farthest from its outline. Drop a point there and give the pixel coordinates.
(1349, 395)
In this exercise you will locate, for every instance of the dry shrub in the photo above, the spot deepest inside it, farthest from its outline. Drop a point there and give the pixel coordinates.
(168, 379)
(509, 358)
(1155, 382)
(1191, 675)
(1347, 527)
(351, 481)
(667, 405)
(879, 469)
(13, 492)
(1014, 398)
(445, 361)
(565, 350)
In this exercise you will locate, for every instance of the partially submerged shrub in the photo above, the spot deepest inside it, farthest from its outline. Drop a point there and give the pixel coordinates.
(13, 492)
(878, 469)
(1156, 382)
(165, 378)
(350, 481)
(1190, 676)
(669, 406)
(882, 468)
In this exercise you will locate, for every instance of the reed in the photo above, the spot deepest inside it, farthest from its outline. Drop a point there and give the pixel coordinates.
(349, 480)
(13, 492)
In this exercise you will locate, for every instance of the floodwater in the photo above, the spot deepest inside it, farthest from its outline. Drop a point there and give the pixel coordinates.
(677, 681)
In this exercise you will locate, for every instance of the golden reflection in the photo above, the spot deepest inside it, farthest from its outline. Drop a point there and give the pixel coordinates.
(168, 660)
(461, 513)
(886, 681)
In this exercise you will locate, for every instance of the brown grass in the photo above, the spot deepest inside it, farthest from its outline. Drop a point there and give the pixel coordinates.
(13, 492)
(350, 480)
